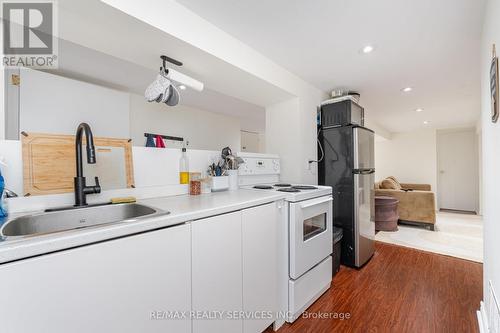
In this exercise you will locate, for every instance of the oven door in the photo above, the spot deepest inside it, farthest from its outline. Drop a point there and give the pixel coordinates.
(310, 234)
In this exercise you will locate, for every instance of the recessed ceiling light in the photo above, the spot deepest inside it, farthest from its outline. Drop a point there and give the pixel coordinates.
(407, 89)
(426, 122)
(367, 49)
(419, 110)
(182, 87)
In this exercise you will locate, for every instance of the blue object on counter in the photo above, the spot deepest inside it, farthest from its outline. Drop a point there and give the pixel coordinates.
(3, 205)
(150, 142)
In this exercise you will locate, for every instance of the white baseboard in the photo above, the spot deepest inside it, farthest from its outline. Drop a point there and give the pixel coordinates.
(482, 319)
(488, 316)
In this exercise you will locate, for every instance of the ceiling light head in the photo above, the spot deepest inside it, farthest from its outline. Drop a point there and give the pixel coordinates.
(182, 87)
(419, 110)
(367, 49)
(426, 122)
(407, 89)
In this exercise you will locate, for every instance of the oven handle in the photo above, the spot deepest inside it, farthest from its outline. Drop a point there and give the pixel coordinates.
(316, 202)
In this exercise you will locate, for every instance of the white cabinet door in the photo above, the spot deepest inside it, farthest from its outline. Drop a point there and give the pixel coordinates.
(260, 265)
(217, 282)
(113, 286)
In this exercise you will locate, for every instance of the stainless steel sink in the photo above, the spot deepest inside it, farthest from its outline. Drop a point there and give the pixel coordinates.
(63, 220)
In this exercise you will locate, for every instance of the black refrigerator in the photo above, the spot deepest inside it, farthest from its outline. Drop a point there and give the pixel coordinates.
(348, 166)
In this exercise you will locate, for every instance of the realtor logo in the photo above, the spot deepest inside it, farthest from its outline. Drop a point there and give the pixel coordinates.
(28, 34)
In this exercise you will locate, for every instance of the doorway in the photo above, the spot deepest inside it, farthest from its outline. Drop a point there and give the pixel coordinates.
(458, 170)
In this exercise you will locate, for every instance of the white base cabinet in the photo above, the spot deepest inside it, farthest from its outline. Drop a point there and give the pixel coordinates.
(114, 286)
(217, 274)
(217, 282)
(235, 270)
(260, 266)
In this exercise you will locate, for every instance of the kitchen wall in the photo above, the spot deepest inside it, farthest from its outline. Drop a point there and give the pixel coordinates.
(2, 105)
(491, 156)
(410, 157)
(55, 104)
(111, 113)
(479, 141)
(203, 129)
(282, 120)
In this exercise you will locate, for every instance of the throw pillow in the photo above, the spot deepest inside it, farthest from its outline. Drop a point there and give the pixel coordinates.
(395, 180)
(389, 184)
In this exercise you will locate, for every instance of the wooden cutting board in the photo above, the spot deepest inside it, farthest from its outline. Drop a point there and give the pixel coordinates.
(49, 162)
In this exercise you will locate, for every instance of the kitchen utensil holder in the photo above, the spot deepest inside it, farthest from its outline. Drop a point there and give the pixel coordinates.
(220, 183)
(233, 179)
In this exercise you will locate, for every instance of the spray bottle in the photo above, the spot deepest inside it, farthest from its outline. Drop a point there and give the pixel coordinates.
(184, 167)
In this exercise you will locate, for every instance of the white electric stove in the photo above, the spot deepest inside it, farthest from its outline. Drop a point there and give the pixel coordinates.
(307, 232)
(294, 192)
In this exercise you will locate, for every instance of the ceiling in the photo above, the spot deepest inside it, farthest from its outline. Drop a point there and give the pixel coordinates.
(88, 65)
(432, 46)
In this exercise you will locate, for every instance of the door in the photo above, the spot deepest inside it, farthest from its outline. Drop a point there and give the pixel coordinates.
(250, 142)
(260, 264)
(217, 269)
(310, 234)
(123, 285)
(458, 176)
(364, 217)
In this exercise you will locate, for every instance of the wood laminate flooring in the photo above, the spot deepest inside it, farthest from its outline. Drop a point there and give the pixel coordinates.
(399, 290)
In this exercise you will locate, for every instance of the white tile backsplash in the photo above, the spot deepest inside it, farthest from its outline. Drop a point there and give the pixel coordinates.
(156, 173)
(160, 167)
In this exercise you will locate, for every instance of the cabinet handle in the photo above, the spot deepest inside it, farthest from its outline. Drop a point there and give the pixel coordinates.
(319, 202)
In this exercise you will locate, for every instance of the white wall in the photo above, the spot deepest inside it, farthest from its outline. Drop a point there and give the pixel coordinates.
(2, 105)
(491, 155)
(410, 157)
(54, 104)
(479, 140)
(282, 123)
(203, 129)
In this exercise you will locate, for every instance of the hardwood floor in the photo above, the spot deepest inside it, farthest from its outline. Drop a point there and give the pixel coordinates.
(400, 290)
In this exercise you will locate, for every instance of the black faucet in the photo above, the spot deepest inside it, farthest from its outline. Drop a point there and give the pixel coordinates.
(81, 189)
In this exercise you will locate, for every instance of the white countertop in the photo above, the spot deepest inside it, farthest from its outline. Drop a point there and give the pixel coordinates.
(182, 208)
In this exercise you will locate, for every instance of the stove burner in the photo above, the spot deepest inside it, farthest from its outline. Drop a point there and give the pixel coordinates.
(304, 187)
(263, 187)
(282, 185)
(288, 189)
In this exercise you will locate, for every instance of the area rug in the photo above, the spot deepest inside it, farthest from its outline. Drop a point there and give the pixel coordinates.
(456, 235)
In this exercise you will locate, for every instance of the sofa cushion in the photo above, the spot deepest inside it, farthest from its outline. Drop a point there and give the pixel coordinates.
(390, 184)
(395, 180)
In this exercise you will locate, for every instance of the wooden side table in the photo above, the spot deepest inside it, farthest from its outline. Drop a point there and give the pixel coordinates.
(386, 213)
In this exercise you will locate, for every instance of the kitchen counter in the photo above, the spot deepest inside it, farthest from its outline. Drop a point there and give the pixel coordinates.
(182, 209)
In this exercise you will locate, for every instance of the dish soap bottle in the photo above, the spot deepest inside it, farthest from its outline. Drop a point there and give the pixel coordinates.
(184, 168)
(3, 202)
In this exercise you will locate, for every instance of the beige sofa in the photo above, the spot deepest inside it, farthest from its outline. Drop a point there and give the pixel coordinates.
(416, 201)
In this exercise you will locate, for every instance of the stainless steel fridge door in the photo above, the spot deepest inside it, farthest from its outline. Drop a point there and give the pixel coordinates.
(364, 216)
(364, 148)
